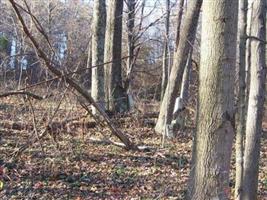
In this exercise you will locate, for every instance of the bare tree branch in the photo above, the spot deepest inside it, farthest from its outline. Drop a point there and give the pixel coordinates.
(256, 38)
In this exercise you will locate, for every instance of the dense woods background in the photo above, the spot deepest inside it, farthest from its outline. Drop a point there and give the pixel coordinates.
(133, 99)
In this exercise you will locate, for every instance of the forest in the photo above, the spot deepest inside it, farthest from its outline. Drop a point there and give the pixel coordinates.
(133, 99)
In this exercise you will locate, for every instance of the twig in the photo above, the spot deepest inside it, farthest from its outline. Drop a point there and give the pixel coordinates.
(35, 126)
(257, 39)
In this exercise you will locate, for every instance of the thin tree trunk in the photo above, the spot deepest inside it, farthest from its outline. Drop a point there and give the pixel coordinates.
(240, 132)
(179, 20)
(114, 91)
(131, 47)
(87, 77)
(98, 44)
(248, 49)
(256, 101)
(178, 120)
(165, 59)
(181, 101)
(186, 78)
(187, 36)
(209, 178)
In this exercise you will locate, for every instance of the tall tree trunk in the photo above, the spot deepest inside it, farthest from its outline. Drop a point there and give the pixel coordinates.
(178, 119)
(256, 101)
(114, 91)
(248, 49)
(179, 20)
(240, 132)
(131, 47)
(165, 59)
(187, 36)
(86, 78)
(98, 44)
(209, 178)
(186, 79)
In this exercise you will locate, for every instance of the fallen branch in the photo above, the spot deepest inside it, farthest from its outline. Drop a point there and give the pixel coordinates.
(50, 66)
(19, 126)
(29, 94)
(54, 127)
(118, 144)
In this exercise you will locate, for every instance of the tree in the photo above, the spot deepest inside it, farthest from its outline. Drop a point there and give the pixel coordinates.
(114, 91)
(179, 20)
(166, 56)
(98, 44)
(181, 101)
(240, 132)
(256, 100)
(187, 36)
(209, 178)
(131, 9)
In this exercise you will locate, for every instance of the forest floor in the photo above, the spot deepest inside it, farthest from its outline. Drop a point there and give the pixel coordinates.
(73, 166)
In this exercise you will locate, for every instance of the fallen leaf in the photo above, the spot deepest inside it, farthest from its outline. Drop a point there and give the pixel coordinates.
(1, 185)
(38, 185)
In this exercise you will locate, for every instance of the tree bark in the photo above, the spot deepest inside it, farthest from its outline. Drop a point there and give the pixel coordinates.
(248, 49)
(256, 101)
(115, 93)
(186, 78)
(98, 44)
(179, 20)
(86, 78)
(187, 36)
(241, 103)
(165, 59)
(209, 178)
(181, 101)
(131, 4)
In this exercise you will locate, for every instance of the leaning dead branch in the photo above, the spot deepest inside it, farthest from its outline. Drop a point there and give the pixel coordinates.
(53, 69)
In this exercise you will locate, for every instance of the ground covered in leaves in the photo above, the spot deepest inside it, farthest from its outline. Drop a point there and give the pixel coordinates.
(69, 164)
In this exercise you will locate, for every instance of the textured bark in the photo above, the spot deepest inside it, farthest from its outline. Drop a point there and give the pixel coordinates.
(86, 78)
(165, 59)
(178, 118)
(187, 36)
(256, 101)
(114, 91)
(248, 49)
(181, 101)
(240, 132)
(131, 47)
(179, 20)
(209, 178)
(186, 78)
(98, 44)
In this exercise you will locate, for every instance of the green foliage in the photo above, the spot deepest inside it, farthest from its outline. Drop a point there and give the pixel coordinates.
(120, 171)
(3, 43)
